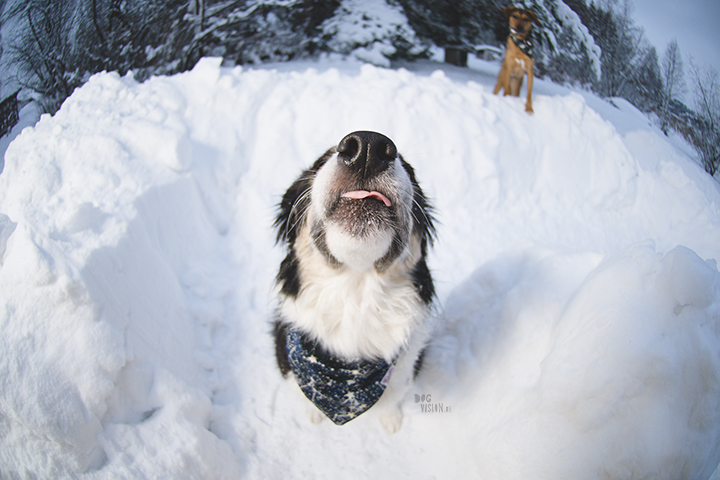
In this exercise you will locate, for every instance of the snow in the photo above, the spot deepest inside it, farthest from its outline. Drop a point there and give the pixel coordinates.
(578, 295)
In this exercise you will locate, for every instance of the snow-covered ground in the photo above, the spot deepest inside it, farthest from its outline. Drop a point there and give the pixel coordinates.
(578, 294)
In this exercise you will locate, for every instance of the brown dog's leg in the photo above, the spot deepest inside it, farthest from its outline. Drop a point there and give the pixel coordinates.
(515, 85)
(528, 103)
(501, 80)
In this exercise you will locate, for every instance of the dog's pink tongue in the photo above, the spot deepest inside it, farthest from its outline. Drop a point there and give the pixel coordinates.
(360, 194)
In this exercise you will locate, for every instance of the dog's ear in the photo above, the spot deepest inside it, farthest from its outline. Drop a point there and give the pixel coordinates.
(291, 208)
(296, 201)
(508, 11)
(534, 18)
(425, 227)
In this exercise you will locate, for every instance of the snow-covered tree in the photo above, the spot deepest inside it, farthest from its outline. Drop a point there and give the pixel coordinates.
(63, 43)
(673, 81)
(706, 90)
(374, 31)
(456, 22)
(644, 90)
(621, 47)
(630, 67)
(566, 51)
(254, 31)
(43, 53)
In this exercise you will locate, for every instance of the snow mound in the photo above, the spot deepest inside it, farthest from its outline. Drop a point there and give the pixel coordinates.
(579, 322)
(602, 369)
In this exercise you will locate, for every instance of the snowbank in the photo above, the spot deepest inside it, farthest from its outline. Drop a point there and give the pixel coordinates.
(578, 295)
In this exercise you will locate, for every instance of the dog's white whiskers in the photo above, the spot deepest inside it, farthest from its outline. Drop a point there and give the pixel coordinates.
(293, 209)
(428, 220)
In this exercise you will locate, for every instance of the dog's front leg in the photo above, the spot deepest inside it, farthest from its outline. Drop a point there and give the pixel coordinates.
(528, 103)
(502, 80)
(389, 406)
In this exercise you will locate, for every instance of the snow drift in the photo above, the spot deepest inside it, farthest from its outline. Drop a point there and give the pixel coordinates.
(578, 299)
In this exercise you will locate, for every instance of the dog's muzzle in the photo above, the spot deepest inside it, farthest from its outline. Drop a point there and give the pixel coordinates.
(363, 200)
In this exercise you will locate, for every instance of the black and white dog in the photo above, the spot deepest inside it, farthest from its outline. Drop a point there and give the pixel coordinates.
(355, 290)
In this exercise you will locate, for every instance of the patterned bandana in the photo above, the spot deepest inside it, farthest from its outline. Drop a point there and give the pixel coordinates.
(525, 46)
(341, 390)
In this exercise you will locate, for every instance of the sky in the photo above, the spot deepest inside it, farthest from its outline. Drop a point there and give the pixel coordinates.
(695, 24)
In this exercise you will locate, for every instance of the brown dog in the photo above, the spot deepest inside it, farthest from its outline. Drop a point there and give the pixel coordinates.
(518, 55)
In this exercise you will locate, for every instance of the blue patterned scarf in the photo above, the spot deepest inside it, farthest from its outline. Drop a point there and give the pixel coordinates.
(525, 46)
(341, 390)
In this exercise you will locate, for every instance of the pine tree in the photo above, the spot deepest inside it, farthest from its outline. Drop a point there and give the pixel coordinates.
(644, 90)
(673, 82)
(454, 22)
(374, 31)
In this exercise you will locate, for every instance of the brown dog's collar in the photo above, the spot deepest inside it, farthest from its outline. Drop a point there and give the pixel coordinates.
(525, 45)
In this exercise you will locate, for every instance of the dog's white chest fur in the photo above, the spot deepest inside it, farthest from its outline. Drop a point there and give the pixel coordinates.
(356, 314)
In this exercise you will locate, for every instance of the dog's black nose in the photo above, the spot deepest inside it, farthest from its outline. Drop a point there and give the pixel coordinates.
(367, 153)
